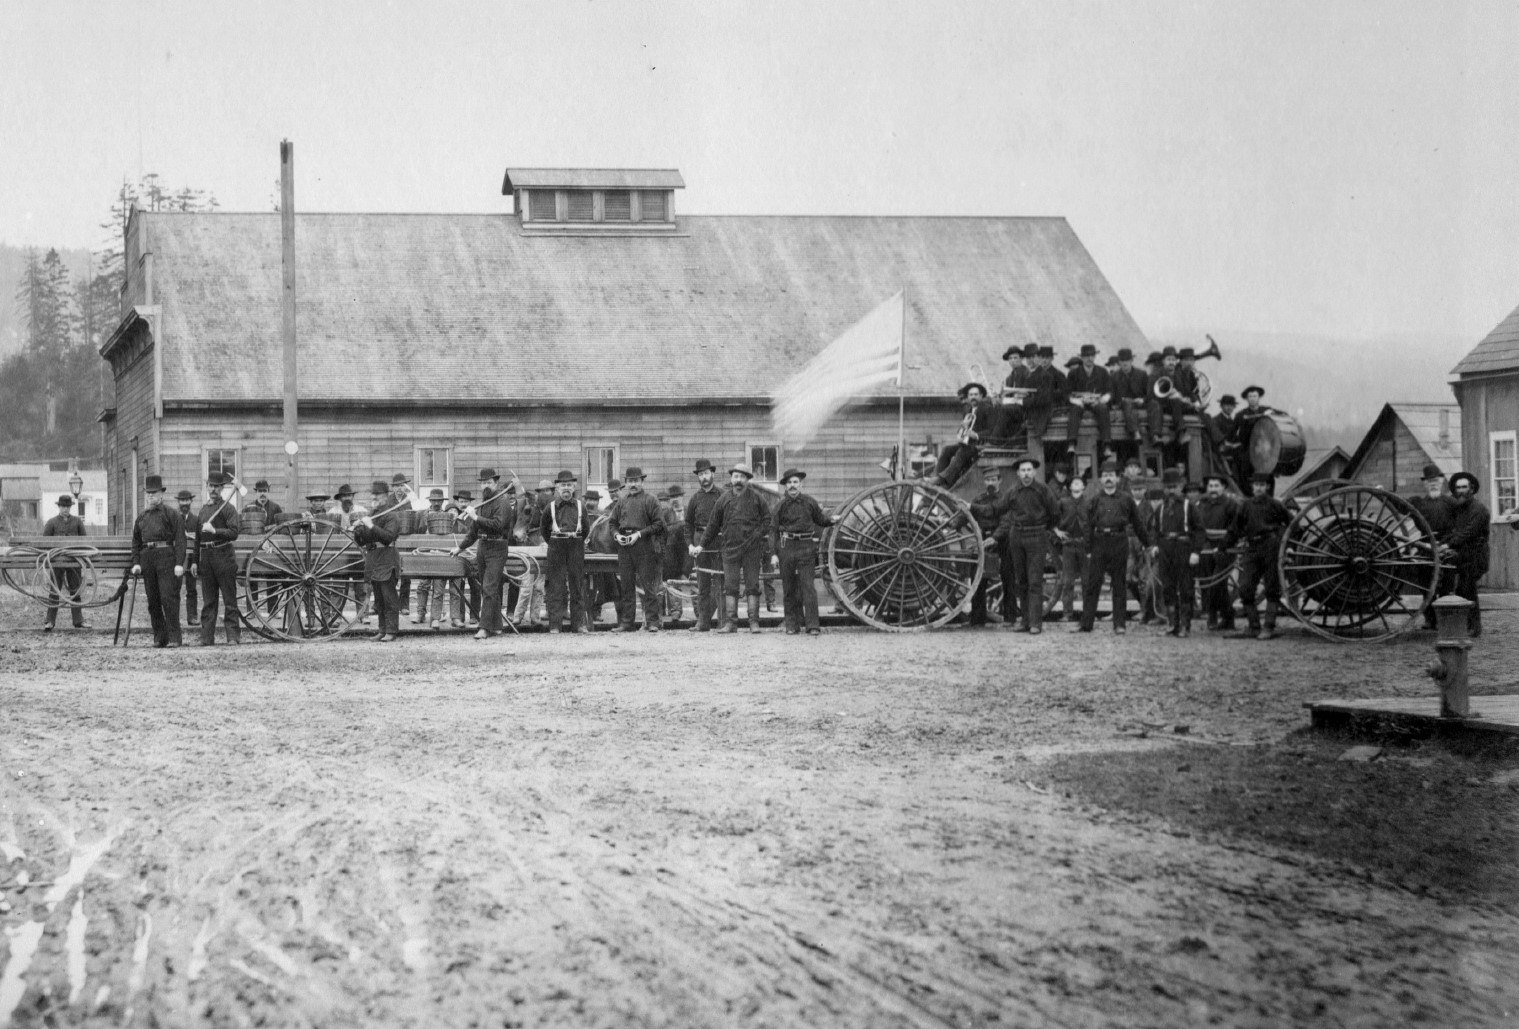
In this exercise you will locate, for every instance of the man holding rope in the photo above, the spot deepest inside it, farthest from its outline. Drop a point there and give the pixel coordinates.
(67, 576)
(158, 555)
(215, 562)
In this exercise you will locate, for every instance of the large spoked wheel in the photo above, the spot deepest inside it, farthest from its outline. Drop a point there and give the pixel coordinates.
(904, 556)
(301, 581)
(1358, 563)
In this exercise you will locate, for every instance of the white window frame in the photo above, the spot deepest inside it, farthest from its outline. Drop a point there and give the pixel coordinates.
(780, 458)
(1510, 437)
(587, 473)
(423, 485)
(205, 461)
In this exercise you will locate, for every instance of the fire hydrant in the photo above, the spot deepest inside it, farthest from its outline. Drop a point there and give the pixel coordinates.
(1449, 667)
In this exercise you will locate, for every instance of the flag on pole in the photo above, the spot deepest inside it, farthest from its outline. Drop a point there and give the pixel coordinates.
(866, 355)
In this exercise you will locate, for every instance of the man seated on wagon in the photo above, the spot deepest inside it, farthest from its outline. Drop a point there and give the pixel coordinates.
(977, 423)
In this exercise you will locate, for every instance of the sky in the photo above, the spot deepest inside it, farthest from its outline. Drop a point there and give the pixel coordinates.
(1336, 167)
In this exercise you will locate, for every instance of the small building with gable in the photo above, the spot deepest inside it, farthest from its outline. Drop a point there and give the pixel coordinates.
(591, 327)
(1486, 384)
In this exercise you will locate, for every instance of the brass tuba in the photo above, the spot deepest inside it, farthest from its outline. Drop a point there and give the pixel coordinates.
(1212, 350)
(1164, 388)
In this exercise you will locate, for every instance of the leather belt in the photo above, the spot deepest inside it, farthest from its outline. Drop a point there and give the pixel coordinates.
(565, 536)
(376, 546)
(1110, 532)
(798, 536)
(203, 546)
(1177, 535)
(1031, 530)
(156, 546)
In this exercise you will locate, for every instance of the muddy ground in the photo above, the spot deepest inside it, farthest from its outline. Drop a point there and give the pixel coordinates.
(960, 828)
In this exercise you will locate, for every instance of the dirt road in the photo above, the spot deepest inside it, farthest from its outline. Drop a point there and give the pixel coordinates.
(683, 830)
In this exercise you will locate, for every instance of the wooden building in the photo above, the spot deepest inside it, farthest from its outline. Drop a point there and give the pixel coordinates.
(1318, 466)
(1402, 439)
(1486, 384)
(591, 327)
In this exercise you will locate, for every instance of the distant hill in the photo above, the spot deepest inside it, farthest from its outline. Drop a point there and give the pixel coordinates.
(1333, 387)
(12, 263)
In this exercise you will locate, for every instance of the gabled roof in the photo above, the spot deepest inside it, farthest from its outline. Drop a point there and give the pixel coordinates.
(439, 308)
(1310, 472)
(591, 178)
(1422, 420)
(1498, 351)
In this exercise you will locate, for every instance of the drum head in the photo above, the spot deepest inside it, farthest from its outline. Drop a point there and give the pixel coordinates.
(1265, 445)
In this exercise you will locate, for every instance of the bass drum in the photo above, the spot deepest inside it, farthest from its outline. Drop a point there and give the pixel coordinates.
(1277, 446)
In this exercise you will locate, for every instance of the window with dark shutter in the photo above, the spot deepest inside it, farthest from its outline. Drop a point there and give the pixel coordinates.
(541, 205)
(618, 205)
(652, 205)
(582, 205)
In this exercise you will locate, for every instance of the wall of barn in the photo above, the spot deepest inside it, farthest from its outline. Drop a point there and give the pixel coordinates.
(355, 446)
(1491, 405)
(1395, 462)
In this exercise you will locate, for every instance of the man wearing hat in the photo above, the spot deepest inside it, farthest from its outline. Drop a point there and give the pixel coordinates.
(260, 512)
(464, 611)
(1170, 406)
(1185, 378)
(1110, 516)
(1026, 515)
(345, 514)
(1048, 384)
(215, 561)
(709, 565)
(1468, 541)
(158, 555)
(430, 592)
(1091, 390)
(796, 524)
(1435, 505)
(983, 509)
(565, 524)
(1179, 536)
(500, 519)
(1130, 386)
(1221, 429)
(68, 577)
(741, 520)
(1244, 425)
(977, 423)
(605, 584)
(637, 524)
(676, 548)
(1259, 525)
(530, 593)
(1216, 511)
(376, 536)
(186, 501)
(1010, 416)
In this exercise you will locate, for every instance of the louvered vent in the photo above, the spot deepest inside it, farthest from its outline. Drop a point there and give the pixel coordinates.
(619, 205)
(582, 205)
(651, 206)
(541, 205)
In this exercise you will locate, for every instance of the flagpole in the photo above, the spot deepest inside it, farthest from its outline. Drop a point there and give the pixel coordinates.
(901, 394)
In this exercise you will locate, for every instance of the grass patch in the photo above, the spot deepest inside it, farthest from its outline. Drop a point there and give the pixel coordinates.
(1426, 817)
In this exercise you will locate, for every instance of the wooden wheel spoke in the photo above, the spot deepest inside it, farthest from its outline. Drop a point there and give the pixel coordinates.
(354, 556)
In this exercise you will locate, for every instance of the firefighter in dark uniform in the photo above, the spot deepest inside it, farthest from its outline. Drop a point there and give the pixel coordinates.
(565, 523)
(376, 535)
(1169, 406)
(1073, 554)
(1087, 377)
(741, 520)
(1130, 386)
(1110, 516)
(983, 509)
(1048, 382)
(1027, 514)
(796, 524)
(1244, 425)
(67, 576)
(498, 520)
(636, 526)
(1178, 538)
(977, 425)
(1009, 422)
(1468, 541)
(1220, 429)
(1434, 504)
(215, 560)
(192, 533)
(158, 555)
(1259, 524)
(1216, 511)
(709, 566)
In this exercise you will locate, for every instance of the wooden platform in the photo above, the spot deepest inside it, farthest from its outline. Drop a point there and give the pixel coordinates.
(1489, 714)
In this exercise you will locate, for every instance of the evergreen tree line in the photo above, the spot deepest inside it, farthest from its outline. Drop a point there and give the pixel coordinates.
(52, 390)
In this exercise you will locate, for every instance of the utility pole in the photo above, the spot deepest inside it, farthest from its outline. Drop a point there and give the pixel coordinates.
(287, 305)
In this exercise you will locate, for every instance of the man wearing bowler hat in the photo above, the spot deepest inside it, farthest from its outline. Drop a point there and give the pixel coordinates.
(796, 524)
(565, 523)
(1110, 516)
(158, 555)
(215, 562)
(709, 566)
(1179, 536)
(376, 536)
(1435, 505)
(1130, 389)
(1027, 514)
(1244, 425)
(1468, 541)
(1009, 420)
(1097, 386)
(500, 519)
(741, 520)
(66, 574)
(1259, 525)
(1216, 511)
(636, 524)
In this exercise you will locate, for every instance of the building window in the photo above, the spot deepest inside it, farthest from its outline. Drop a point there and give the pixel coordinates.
(618, 206)
(600, 465)
(1503, 464)
(581, 205)
(541, 205)
(765, 459)
(435, 469)
(652, 206)
(224, 461)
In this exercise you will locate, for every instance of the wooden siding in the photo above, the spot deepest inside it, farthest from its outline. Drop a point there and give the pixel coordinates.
(134, 421)
(1491, 404)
